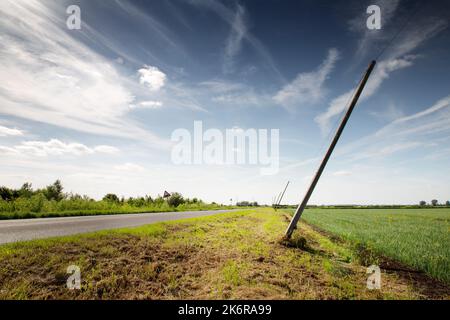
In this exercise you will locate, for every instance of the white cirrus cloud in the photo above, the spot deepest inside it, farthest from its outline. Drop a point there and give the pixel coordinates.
(234, 41)
(308, 87)
(106, 149)
(370, 38)
(342, 173)
(221, 86)
(52, 77)
(383, 151)
(147, 105)
(423, 128)
(129, 167)
(152, 77)
(242, 98)
(234, 94)
(438, 106)
(240, 32)
(5, 131)
(55, 147)
(390, 113)
(398, 56)
(381, 73)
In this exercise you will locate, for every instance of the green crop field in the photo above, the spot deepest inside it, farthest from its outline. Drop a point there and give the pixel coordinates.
(418, 238)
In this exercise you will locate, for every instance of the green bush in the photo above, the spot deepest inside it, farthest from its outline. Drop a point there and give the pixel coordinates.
(111, 197)
(175, 200)
(37, 202)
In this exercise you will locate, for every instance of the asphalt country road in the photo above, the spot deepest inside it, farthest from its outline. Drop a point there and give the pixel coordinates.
(29, 229)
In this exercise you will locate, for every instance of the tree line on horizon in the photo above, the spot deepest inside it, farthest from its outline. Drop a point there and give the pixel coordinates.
(433, 203)
(55, 192)
(52, 198)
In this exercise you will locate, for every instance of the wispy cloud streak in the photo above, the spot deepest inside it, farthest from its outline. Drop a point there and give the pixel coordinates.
(398, 57)
(229, 16)
(308, 87)
(234, 41)
(53, 78)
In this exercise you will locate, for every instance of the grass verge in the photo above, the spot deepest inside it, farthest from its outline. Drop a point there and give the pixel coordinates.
(235, 255)
(119, 210)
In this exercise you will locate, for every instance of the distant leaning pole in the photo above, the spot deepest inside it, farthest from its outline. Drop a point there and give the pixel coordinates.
(282, 195)
(293, 225)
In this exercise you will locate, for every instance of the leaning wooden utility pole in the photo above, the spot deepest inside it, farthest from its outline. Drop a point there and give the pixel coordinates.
(293, 225)
(282, 195)
(276, 200)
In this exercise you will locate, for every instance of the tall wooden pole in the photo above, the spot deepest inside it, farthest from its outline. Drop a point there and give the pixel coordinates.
(276, 201)
(293, 225)
(282, 195)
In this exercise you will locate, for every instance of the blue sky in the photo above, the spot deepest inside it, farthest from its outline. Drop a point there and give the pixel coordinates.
(96, 107)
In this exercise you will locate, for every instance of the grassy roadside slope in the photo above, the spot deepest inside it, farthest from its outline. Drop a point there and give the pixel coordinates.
(232, 255)
(415, 237)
